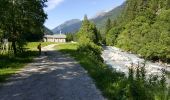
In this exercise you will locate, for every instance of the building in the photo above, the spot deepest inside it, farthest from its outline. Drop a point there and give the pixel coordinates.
(60, 38)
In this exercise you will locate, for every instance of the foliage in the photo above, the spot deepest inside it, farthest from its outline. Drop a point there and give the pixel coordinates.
(142, 88)
(149, 40)
(88, 38)
(89, 48)
(88, 30)
(144, 29)
(33, 45)
(112, 35)
(107, 28)
(10, 65)
(20, 18)
(115, 85)
(70, 37)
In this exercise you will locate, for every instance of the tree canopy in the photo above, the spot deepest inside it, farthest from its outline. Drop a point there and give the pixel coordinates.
(89, 30)
(19, 18)
(144, 29)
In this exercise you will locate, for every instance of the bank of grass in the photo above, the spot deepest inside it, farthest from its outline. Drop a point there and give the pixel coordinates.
(104, 78)
(10, 64)
(114, 85)
(33, 45)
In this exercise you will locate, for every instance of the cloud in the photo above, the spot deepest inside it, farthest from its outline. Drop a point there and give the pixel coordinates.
(52, 4)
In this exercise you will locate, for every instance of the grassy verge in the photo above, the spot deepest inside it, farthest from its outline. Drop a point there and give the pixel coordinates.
(114, 85)
(10, 65)
(105, 79)
(33, 45)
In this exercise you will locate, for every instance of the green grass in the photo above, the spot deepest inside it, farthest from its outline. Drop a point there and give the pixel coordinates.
(33, 45)
(10, 65)
(114, 85)
(105, 79)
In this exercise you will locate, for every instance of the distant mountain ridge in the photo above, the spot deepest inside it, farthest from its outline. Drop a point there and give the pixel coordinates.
(69, 26)
(47, 31)
(74, 25)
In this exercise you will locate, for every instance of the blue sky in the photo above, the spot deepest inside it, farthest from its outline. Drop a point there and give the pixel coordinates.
(60, 11)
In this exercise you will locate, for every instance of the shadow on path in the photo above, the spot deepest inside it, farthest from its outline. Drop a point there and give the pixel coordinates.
(53, 76)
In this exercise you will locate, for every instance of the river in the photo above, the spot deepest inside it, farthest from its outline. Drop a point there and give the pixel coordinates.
(121, 61)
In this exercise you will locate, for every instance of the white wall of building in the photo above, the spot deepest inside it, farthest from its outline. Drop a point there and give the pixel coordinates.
(54, 40)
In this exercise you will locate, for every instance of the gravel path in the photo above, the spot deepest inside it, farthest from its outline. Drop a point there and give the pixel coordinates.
(53, 76)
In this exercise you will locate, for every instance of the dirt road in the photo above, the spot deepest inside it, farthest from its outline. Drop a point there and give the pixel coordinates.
(53, 76)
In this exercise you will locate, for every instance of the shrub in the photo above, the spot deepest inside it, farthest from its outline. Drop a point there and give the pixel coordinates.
(91, 49)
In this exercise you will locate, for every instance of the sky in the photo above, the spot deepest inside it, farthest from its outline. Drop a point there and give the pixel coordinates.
(59, 11)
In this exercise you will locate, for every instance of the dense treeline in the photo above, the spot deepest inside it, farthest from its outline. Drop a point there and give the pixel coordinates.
(70, 37)
(143, 28)
(116, 85)
(22, 19)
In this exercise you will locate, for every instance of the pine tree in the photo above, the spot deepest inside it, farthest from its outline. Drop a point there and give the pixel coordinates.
(89, 30)
(108, 26)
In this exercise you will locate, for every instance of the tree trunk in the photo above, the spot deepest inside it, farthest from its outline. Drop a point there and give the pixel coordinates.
(14, 47)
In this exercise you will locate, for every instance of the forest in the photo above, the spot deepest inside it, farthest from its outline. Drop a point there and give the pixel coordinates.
(143, 28)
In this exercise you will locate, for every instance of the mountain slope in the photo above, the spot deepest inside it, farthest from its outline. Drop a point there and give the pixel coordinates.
(47, 31)
(69, 26)
(113, 15)
(75, 24)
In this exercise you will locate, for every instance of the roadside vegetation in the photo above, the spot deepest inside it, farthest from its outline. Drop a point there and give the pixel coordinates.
(114, 85)
(20, 27)
(10, 64)
(21, 22)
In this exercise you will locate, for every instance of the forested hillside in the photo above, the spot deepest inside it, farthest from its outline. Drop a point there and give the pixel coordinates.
(113, 15)
(47, 31)
(144, 28)
(69, 26)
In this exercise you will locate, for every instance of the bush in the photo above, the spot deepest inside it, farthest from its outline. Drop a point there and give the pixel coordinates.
(142, 88)
(91, 49)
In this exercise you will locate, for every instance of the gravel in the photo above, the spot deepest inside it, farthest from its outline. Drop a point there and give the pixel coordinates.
(52, 76)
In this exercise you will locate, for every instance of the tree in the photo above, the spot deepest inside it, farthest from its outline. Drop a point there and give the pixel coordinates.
(70, 37)
(112, 35)
(89, 30)
(131, 38)
(145, 25)
(21, 17)
(108, 26)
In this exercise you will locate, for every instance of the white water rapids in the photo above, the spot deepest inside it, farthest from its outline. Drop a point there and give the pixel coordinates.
(121, 61)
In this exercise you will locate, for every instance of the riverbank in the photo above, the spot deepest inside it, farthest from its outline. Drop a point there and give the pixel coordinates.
(122, 61)
(113, 84)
